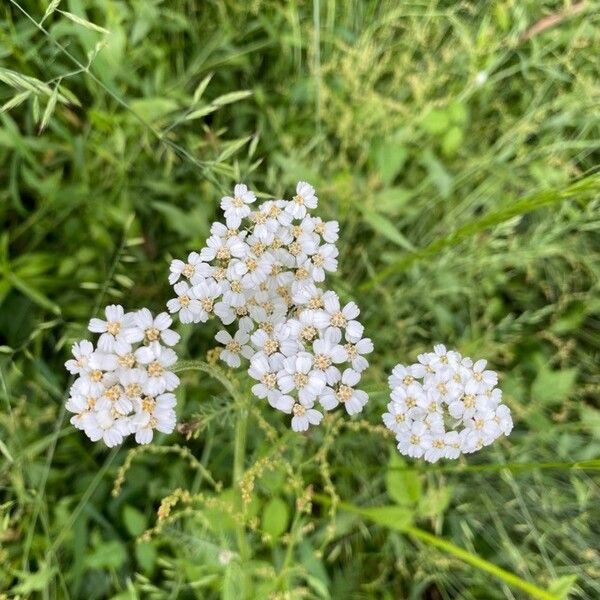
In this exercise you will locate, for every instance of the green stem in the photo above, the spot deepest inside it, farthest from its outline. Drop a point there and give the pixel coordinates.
(239, 457)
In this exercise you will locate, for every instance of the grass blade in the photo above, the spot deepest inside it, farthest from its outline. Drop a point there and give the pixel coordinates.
(584, 189)
(467, 557)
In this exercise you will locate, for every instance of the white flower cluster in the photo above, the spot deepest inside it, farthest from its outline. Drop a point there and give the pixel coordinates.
(445, 405)
(261, 270)
(124, 386)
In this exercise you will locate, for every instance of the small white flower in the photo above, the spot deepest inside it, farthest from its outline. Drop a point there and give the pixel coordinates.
(235, 347)
(186, 304)
(304, 417)
(194, 267)
(396, 419)
(264, 369)
(157, 359)
(154, 414)
(304, 198)
(236, 208)
(342, 318)
(116, 331)
(343, 392)
(355, 352)
(416, 442)
(298, 374)
(206, 294)
(151, 329)
(82, 351)
(328, 352)
(481, 380)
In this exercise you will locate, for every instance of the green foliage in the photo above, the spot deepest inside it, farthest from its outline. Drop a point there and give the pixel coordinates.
(459, 156)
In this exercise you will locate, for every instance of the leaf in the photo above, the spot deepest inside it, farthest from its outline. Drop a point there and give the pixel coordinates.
(403, 486)
(37, 581)
(553, 386)
(146, 556)
(275, 517)
(386, 228)
(436, 121)
(231, 97)
(438, 175)
(394, 517)
(49, 109)
(452, 141)
(109, 555)
(135, 521)
(458, 112)
(83, 22)
(389, 158)
(3, 448)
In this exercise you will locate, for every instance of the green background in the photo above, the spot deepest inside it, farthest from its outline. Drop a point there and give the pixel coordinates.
(456, 143)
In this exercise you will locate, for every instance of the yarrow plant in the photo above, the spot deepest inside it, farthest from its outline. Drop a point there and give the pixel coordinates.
(262, 271)
(124, 386)
(445, 405)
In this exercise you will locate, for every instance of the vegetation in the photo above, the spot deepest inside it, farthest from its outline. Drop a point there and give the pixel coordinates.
(456, 143)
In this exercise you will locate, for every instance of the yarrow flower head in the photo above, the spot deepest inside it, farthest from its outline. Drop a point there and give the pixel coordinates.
(262, 270)
(125, 385)
(445, 405)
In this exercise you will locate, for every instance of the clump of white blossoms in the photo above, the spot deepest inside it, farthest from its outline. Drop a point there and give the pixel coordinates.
(262, 271)
(445, 405)
(124, 385)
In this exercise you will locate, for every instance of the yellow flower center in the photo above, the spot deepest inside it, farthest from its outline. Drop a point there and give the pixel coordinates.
(152, 334)
(155, 369)
(113, 327)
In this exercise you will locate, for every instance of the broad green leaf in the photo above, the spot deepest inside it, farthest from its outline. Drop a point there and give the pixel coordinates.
(146, 555)
(403, 486)
(458, 112)
(135, 520)
(389, 158)
(439, 176)
(275, 517)
(436, 121)
(394, 517)
(452, 140)
(109, 555)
